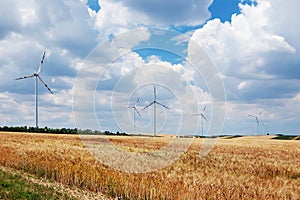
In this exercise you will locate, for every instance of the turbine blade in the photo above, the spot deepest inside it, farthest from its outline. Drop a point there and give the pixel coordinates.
(42, 61)
(196, 114)
(203, 117)
(162, 105)
(137, 101)
(257, 120)
(204, 108)
(45, 84)
(136, 110)
(25, 77)
(260, 113)
(148, 105)
(252, 116)
(154, 93)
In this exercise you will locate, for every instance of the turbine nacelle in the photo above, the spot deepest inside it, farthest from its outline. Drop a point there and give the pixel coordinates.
(256, 117)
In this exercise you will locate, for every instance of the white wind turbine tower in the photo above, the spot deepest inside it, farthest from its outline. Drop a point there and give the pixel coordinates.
(202, 118)
(257, 121)
(265, 128)
(134, 110)
(37, 76)
(154, 102)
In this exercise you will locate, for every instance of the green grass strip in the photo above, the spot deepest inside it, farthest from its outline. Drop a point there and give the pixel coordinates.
(16, 187)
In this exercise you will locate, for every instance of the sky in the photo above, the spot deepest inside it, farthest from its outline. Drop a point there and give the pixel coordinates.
(235, 58)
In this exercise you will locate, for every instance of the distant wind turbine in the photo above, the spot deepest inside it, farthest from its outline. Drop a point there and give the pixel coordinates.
(257, 121)
(37, 76)
(202, 118)
(134, 110)
(154, 102)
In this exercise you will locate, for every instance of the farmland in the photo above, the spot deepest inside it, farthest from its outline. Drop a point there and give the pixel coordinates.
(236, 168)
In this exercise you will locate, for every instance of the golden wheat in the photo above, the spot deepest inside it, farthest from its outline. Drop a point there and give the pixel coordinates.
(240, 168)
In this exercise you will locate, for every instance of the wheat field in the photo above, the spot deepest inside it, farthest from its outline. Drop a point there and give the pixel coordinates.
(238, 168)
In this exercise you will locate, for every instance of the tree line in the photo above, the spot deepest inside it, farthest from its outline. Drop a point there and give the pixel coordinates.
(57, 130)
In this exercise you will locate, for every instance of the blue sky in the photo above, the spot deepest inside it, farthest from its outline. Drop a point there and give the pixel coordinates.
(102, 55)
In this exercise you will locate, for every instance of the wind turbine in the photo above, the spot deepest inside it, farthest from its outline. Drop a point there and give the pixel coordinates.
(37, 76)
(257, 121)
(202, 117)
(154, 102)
(135, 110)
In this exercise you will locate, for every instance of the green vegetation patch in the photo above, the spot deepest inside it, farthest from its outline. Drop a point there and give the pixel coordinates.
(286, 137)
(15, 187)
(234, 136)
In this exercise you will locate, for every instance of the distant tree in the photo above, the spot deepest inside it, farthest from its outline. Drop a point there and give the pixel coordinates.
(57, 130)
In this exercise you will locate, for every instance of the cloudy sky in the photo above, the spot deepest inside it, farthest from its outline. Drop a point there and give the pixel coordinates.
(235, 57)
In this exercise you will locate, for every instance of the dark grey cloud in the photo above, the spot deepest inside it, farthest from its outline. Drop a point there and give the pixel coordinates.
(9, 18)
(255, 89)
(59, 65)
(283, 65)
